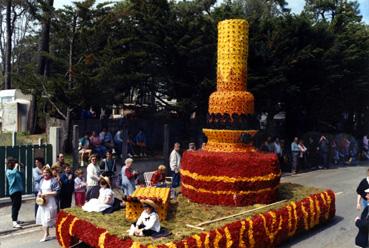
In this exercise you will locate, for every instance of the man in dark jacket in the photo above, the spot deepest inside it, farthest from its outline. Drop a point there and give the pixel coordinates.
(362, 223)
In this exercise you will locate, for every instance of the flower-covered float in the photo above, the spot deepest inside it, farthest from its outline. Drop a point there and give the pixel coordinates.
(230, 171)
(223, 180)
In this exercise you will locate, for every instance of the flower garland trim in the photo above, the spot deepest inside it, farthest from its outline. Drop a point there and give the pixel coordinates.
(268, 229)
(250, 233)
(230, 192)
(72, 225)
(102, 239)
(60, 225)
(226, 179)
(229, 241)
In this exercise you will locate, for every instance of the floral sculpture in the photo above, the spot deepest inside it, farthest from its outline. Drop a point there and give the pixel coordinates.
(230, 171)
(227, 172)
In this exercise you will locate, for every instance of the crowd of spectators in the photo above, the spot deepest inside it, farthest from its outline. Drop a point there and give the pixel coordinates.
(99, 143)
(316, 152)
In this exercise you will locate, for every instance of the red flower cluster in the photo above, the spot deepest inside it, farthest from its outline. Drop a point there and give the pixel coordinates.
(235, 164)
(67, 233)
(261, 230)
(233, 179)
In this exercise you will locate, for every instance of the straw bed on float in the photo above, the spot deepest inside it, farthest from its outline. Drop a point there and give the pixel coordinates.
(184, 212)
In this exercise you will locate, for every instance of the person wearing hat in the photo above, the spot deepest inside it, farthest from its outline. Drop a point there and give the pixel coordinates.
(158, 178)
(148, 223)
(105, 199)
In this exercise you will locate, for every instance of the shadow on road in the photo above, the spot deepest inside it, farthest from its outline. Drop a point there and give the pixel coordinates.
(314, 231)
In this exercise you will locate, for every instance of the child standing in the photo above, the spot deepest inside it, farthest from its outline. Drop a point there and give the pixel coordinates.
(79, 188)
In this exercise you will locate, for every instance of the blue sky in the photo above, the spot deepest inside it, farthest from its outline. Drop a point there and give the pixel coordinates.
(295, 5)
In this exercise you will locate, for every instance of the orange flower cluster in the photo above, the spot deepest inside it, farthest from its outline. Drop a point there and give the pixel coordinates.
(227, 136)
(159, 195)
(268, 229)
(230, 102)
(227, 140)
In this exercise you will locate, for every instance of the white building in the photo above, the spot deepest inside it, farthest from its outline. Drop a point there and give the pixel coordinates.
(14, 110)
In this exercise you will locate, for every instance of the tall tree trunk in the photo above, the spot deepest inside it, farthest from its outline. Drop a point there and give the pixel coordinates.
(43, 64)
(67, 137)
(8, 68)
(68, 120)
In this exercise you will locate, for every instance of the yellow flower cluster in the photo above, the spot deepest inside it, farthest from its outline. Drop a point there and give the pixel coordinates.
(251, 233)
(228, 192)
(227, 140)
(230, 102)
(60, 232)
(327, 201)
(306, 216)
(134, 209)
(226, 179)
(228, 147)
(102, 239)
(229, 241)
(232, 50)
(226, 136)
(72, 225)
(273, 229)
(292, 230)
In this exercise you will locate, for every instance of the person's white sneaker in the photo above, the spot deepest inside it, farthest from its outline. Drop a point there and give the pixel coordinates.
(129, 155)
(44, 239)
(16, 225)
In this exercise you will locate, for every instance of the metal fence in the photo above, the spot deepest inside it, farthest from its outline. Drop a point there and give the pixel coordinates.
(25, 155)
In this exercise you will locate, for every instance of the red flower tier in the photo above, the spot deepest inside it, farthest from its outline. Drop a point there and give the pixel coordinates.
(234, 179)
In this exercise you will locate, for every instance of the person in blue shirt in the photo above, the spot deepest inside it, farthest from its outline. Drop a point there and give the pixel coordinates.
(16, 188)
(295, 150)
(37, 176)
(140, 140)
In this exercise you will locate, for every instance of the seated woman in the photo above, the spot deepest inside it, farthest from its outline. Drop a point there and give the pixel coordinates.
(105, 200)
(84, 148)
(148, 224)
(158, 178)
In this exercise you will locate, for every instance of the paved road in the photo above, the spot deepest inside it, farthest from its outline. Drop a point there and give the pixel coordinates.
(342, 231)
(339, 234)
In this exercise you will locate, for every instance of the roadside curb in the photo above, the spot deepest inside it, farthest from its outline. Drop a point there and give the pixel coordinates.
(14, 232)
(6, 200)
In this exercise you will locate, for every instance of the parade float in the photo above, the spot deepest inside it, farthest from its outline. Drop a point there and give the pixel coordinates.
(229, 179)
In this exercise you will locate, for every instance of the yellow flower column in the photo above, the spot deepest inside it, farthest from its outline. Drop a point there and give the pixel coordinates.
(231, 96)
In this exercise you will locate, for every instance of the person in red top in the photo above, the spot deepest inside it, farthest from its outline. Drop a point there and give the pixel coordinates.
(158, 178)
